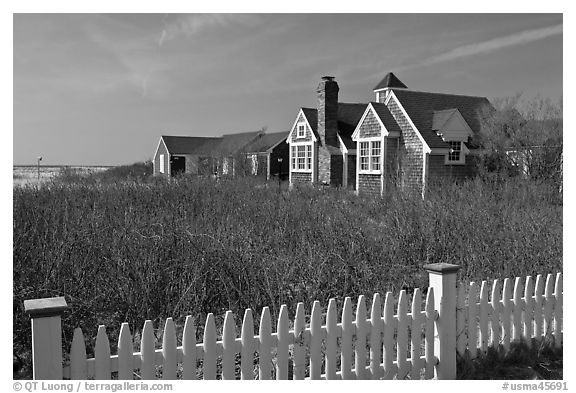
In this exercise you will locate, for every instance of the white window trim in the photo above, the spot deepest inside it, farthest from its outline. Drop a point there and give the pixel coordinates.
(370, 141)
(306, 170)
(161, 159)
(303, 125)
(462, 160)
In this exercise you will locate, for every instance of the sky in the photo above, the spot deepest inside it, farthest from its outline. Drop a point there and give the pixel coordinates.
(100, 89)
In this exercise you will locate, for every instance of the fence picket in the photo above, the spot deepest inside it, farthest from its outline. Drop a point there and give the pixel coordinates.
(484, 317)
(169, 351)
(315, 341)
(389, 328)
(472, 324)
(376, 337)
(210, 348)
(265, 355)
(507, 314)
(247, 354)
(461, 338)
(361, 333)
(78, 366)
(517, 312)
(102, 355)
(331, 340)
(548, 304)
(538, 307)
(346, 342)
(299, 348)
(558, 288)
(125, 353)
(529, 310)
(189, 349)
(402, 336)
(429, 346)
(282, 329)
(147, 353)
(228, 347)
(496, 306)
(416, 334)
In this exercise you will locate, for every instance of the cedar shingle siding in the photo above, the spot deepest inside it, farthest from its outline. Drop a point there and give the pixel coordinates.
(437, 170)
(301, 177)
(411, 151)
(369, 184)
(370, 126)
(307, 138)
(392, 164)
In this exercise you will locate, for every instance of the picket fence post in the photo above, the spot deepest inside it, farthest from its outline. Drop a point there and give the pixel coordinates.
(442, 278)
(45, 315)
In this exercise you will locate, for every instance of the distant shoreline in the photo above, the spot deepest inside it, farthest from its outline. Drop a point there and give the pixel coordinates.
(64, 166)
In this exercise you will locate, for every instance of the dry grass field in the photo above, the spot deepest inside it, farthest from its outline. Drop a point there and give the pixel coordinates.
(129, 250)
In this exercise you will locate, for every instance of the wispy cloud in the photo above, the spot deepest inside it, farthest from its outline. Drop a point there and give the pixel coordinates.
(190, 25)
(523, 37)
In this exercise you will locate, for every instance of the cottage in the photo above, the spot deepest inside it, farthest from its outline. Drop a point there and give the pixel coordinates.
(252, 152)
(405, 138)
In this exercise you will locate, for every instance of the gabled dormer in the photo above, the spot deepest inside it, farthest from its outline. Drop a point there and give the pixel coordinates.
(382, 89)
(453, 129)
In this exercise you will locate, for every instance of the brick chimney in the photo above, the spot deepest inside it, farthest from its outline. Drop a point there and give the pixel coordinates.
(328, 111)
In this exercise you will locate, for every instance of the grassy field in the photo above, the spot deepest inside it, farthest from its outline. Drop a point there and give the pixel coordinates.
(148, 249)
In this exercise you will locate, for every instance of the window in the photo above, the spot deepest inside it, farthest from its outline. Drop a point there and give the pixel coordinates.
(161, 163)
(375, 156)
(301, 130)
(364, 156)
(302, 157)
(371, 156)
(455, 155)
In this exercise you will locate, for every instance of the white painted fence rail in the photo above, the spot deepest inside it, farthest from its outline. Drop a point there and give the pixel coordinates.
(401, 338)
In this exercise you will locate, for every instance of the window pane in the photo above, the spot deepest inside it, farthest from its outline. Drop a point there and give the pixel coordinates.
(455, 150)
(308, 157)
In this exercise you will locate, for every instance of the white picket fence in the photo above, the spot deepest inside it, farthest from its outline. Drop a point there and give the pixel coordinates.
(402, 339)
(532, 310)
(364, 348)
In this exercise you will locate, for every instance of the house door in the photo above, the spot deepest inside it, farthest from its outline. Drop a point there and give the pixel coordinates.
(177, 165)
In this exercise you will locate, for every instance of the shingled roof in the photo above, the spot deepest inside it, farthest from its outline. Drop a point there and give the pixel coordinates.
(386, 117)
(389, 81)
(421, 106)
(266, 142)
(190, 144)
(225, 145)
(231, 144)
(312, 117)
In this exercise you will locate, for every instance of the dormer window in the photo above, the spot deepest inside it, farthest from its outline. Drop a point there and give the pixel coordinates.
(456, 154)
(301, 128)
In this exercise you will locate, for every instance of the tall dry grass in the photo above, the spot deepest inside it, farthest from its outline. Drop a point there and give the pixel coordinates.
(130, 251)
